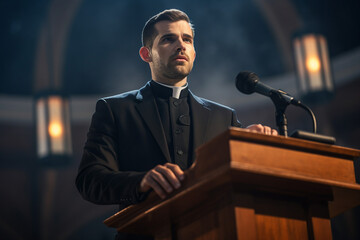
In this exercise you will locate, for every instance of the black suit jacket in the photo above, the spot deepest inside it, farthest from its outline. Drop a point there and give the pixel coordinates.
(126, 139)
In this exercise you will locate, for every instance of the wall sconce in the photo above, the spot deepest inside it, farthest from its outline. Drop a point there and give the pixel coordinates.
(54, 147)
(314, 76)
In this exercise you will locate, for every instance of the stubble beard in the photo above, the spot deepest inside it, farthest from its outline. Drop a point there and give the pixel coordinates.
(174, 71)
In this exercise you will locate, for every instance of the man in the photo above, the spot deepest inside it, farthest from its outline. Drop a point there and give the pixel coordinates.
(143, 140)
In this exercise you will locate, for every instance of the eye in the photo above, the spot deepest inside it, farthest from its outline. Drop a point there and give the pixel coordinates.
(188, 40)
(167, 39)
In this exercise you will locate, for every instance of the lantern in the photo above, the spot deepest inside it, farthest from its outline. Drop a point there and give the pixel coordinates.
(314, 76)
(53, 129)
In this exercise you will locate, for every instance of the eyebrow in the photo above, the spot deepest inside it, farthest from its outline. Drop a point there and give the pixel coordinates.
(172, 35)
(167, 35)
(188, 35)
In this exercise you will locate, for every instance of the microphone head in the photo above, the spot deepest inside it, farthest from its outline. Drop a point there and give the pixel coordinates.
(246, 82)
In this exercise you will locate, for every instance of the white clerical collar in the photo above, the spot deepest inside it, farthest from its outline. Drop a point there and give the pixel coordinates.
(175, 90)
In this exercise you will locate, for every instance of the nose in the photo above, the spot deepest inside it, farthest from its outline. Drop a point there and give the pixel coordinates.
(181, 45)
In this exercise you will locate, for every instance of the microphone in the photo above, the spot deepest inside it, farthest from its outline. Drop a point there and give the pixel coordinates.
(249, 82)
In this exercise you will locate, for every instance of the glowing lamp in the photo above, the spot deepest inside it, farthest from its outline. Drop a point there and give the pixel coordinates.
(313, 64)
(314, 76)
(53, 129)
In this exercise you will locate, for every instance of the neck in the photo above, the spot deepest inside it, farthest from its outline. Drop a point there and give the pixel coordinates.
(172, 82)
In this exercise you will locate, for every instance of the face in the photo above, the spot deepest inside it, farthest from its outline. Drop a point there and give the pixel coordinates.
(172, 54)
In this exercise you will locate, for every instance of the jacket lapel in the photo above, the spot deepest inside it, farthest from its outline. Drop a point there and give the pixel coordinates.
(200, 114)
(148, 110)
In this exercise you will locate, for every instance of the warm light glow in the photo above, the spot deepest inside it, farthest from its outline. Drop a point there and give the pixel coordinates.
(55, 129)
(313, 64)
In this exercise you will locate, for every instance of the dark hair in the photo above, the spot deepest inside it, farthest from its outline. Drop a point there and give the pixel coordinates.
(173, 15)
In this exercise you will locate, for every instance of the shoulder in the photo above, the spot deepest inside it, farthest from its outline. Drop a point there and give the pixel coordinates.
(114, 102)
(126, 96)
(211, 104)
(219, 113)
(129, 97)
(216, 105)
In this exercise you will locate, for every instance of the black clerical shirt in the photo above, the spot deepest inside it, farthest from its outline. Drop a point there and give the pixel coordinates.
(174, 112)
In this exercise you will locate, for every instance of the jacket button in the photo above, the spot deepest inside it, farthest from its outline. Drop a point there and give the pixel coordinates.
(184, 120)
(177, 102)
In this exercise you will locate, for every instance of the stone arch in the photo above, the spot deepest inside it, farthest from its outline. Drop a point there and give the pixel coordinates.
(51, 44)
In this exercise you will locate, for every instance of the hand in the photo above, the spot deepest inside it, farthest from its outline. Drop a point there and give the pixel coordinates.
(262, 129)
(163, 179)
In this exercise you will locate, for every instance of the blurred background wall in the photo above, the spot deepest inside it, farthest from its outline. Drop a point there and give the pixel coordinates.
(89, 48)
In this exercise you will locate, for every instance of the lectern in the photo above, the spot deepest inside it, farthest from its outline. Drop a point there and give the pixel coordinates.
(245, 185)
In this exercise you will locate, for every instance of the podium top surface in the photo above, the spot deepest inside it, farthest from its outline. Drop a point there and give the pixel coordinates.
(289, 142)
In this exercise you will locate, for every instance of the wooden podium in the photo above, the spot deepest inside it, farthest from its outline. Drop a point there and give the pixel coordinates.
(245, 185)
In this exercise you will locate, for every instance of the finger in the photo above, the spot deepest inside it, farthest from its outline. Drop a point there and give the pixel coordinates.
(156, 187)
(176, 170)
(274, 132)
(148, 183)
(160, 175)
(169, 176)
(256, 128)
(154, 178)
(267, 130)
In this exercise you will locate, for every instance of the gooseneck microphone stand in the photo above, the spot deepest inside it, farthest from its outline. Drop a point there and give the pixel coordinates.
(248, 83)
(281, 104)
(281, 100)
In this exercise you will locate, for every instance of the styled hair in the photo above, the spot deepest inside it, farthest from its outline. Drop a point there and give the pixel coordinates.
(173, 15)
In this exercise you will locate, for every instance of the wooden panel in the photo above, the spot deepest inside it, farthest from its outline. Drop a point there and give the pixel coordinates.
(206, 227)
(280, 218)
(277, 228)
(227, 223)
(293, 143)
(319, 221)
(213, 219)
(245, 223)
(321, 228)
(344, 199)
(300, 163)
(245, 217)
(164, 232)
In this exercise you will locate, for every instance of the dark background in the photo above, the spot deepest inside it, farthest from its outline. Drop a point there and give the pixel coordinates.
(97, 55)
(101, 53)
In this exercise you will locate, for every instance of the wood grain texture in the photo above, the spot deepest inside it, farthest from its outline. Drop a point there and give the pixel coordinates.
(251, 186)
(292, 161)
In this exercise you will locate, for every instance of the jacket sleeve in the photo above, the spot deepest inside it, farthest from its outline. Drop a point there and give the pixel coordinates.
(99, 178)
(235, 121)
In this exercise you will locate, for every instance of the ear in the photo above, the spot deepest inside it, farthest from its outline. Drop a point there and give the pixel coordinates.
(145, 54)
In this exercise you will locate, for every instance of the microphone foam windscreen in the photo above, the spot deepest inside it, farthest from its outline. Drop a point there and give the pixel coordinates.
(246, 82)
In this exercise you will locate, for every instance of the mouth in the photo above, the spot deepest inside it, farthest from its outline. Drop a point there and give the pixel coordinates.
(181, 58)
